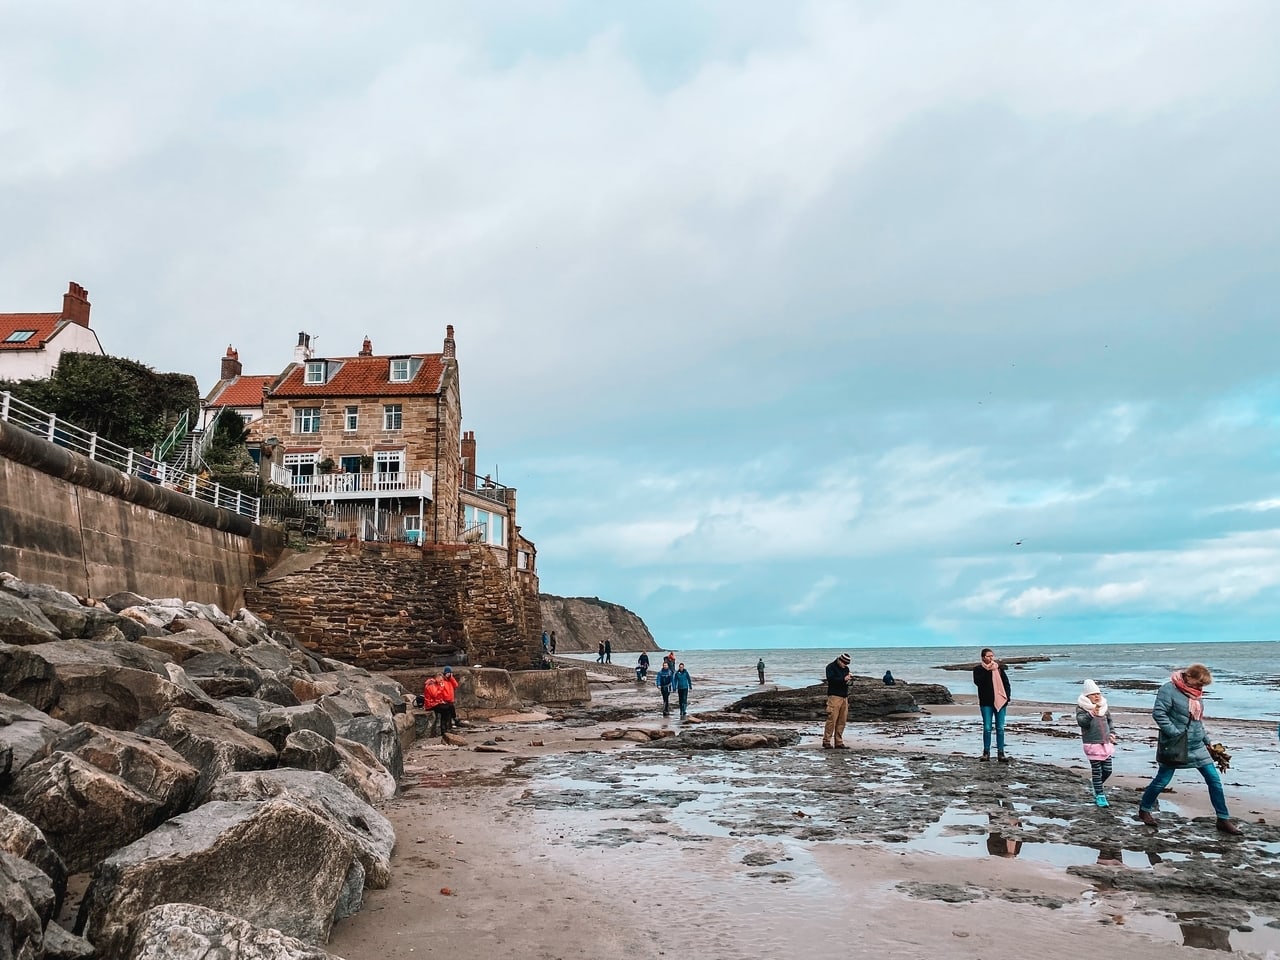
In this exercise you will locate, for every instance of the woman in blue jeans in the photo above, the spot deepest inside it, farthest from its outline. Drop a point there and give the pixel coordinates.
(1179, 710)
(992, 680)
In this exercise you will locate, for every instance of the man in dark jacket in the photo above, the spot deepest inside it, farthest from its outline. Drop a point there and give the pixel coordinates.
(666, 677)
(837, 703)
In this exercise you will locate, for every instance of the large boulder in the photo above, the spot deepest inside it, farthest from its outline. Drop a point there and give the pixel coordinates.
(360, 770)
(275, 863)
(381, 736)
(87, 811)
(27, 903)
(61, 945)
(22, 622)
(869, 699)
(27, 733)
(22, 838)
(369, 830)
(185, 931)
(276, 724)
(307, 750)
(213, 745)
(221, 674)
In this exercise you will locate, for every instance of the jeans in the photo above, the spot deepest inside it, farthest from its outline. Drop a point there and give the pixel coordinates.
(990, 714)
(1164, 776)
(666, 700)
(684, 701)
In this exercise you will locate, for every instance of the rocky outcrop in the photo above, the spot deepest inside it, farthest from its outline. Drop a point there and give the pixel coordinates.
(580, 623)
(148, 744)
(869, 699)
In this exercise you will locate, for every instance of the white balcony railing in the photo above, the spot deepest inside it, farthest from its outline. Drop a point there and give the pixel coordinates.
(362, 486)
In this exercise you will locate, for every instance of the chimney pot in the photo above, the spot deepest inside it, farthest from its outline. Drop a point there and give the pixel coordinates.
(366, 350)
(450, 349)
(75, 304)
(231, 364)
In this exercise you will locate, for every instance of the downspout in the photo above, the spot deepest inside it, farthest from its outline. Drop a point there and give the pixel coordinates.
(435, 494)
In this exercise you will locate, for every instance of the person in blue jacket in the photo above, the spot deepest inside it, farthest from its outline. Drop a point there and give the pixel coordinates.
(1183, 744)
(683, 684)
(666, 677)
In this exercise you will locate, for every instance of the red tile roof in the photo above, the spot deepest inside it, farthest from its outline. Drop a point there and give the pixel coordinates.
(365, 377)
(241, 392)
(44, 325)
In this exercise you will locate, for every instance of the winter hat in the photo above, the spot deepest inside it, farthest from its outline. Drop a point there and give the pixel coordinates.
(449, 670)
(1090, 687)
(843, 658)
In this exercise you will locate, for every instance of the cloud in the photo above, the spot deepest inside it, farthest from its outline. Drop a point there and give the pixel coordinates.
(810, 599)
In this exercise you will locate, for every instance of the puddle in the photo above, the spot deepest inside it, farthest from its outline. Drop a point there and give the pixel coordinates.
(1209, 933)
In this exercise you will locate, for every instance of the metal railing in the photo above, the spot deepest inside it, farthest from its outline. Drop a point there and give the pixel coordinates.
(484, 487)
(322, 485)
(175, 437)
(125, 459)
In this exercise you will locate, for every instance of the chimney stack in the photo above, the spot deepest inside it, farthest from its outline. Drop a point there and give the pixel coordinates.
(75, 304)
(450, 351)
(231, 364)
(469, 459)
(366, 350)
(302, 352)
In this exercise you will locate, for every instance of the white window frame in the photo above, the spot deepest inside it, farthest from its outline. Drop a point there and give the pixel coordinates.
(400, 371)
(314, 372)
(294, 463)
(351, 419)
(495, 524)
(393, 416)
(302, 416)
(20, 336)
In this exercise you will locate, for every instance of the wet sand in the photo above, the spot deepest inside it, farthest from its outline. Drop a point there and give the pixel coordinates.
(904, 846)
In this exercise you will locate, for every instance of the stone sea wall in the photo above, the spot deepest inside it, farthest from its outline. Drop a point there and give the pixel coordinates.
(393, 606)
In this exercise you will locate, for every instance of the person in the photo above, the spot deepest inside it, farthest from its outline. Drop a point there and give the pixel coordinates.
(888, 678)
(438, 697)
(608, 651)
(600, 652)
(642, 667)
(670, 661)
(992, 680)
(683, 684)
(1098, 735)
(760, 669)
(553, 642)
(666, 676)
(1182, 743)
(147, 467)
(546, 642)
(837, 703)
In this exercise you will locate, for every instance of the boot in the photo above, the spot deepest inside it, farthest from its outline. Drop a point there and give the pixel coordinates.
(1101, 800)
(1227, 827)
(1001, 757)
(1147, 817)
(986, 756)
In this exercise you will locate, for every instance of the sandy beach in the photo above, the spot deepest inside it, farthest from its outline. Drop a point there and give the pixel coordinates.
(569, 846)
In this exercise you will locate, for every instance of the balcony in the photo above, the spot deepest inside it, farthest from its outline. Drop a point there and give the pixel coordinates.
(362, 486)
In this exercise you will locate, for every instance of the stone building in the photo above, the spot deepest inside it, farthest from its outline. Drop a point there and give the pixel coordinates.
(32, 343)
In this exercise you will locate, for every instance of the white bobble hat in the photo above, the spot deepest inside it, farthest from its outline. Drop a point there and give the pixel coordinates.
(1090, 687)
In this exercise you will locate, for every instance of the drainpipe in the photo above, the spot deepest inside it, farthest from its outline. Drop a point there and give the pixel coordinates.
(435, 494)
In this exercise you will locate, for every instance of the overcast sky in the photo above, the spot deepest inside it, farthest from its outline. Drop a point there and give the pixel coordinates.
(793, 323)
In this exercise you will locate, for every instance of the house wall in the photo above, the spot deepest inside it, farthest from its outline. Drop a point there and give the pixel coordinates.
(39, 364)
(93, 531)
(391, 606)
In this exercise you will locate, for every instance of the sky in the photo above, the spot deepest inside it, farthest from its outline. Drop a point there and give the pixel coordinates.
(804, 324)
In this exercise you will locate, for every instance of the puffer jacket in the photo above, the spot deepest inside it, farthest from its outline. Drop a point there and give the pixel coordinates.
(1094, 729)
(438, 690)
(1172, 715)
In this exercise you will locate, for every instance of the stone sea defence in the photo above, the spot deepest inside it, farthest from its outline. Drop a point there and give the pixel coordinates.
(209, 780)
(581, 623)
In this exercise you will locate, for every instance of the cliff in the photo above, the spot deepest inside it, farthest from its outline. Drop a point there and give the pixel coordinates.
(580, 623)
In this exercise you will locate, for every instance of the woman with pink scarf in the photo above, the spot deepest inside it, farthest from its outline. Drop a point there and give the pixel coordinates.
(992, 681)
(1183, 744)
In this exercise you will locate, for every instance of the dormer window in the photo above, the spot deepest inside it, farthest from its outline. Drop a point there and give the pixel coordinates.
(400, 371)
(315, 371)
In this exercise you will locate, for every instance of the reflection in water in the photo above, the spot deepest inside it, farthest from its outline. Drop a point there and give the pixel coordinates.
(1110, 857)
(1000, 846)
(1195, 934)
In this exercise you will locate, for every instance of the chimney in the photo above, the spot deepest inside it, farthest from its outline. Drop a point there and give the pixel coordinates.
(231, 364)
(449, 348)
(75, 304)
(302, 352)
(469, 459)
(366, 349)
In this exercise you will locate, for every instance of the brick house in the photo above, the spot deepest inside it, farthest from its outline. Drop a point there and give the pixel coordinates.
(32, 343)
(377, 440)
(236, 392)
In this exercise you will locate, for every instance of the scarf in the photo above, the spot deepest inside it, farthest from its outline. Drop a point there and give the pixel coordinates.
(1098, 710)
(997, 684)
(1195, 706)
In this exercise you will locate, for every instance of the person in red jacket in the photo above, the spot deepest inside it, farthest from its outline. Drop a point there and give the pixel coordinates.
(438, 695)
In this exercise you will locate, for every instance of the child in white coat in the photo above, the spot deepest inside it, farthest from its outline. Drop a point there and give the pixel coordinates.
(1098, 735)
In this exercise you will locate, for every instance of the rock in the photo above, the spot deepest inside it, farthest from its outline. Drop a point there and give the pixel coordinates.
(308, 750)
(26, 905)
(869, 699)
(61, 945)
(220, 675)
(185, 931)
(27, 733)
(453, 740)
(201, 635)
(636, 736)
(369, 830)
(360, 770)
(22, 622)
(277, 692)
(22, 838)
(749, 741)
(214, 745)
(712, 739)
(123, 600)
(380, 735)
(276, 724)
(100, 790)
(275, 863)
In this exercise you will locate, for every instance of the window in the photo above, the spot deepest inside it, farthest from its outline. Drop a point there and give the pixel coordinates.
(306, 419)
(315, 372)
(388, 467)
(22, 336)
(486, 527)
(392, 415)
(351, 421)
(399, 371)
(302, 466)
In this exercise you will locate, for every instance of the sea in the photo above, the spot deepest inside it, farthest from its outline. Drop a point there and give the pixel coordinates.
(1246, 675)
